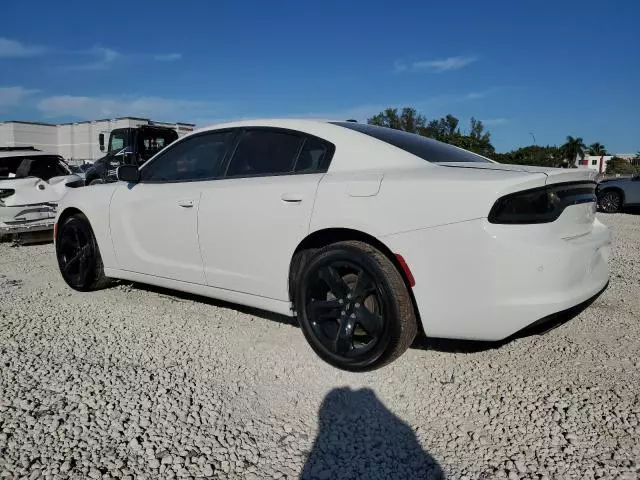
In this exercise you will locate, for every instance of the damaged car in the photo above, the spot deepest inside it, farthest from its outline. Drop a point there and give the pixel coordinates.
(32, 183)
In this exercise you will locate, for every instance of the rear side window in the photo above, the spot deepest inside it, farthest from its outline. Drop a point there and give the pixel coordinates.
(426, 148)
(264, 152)
(313, 156)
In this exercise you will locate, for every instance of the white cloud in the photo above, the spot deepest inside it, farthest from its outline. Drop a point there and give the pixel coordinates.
(153, 107)
(13, 48)
(102, 58)
(167, 57)
(438, 66)
(13, 96)
(431, 107)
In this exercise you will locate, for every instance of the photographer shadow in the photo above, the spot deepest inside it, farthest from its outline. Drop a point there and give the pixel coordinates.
(359, 438)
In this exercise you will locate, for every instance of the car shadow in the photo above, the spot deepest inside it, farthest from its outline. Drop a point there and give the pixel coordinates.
(359, 437)
(178, 296)
(422, 342)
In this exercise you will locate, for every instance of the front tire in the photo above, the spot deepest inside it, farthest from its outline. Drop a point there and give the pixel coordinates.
(78, 255)
(610, 201)
(354, 307)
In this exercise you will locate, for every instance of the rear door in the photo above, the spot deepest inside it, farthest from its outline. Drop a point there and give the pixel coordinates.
(251, 221)
(154, 223)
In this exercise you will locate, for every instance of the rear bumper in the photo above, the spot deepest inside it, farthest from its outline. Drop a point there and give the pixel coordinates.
(479, 281)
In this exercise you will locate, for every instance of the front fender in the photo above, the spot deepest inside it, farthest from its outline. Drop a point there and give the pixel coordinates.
(93, 202)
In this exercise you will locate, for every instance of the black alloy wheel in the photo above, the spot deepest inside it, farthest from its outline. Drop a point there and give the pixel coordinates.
(610, 201)
(78, 255)
(354, 307)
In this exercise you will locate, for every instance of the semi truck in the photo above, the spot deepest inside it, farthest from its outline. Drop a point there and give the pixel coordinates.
(128, 146)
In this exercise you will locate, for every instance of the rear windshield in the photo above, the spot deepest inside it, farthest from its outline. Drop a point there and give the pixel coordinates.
(41, 166)
(426, 148)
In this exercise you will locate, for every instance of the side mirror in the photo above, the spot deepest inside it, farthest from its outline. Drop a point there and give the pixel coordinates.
(128, 173)
(101, 141)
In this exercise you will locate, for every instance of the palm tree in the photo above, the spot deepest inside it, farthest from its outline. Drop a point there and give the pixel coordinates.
(573, 149)
(597, 149)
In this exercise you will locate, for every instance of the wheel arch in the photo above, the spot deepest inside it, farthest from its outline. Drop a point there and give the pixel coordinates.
(66, 213)
(327, 236)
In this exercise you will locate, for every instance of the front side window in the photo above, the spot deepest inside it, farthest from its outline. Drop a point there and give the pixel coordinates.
(195, 158)
(264, 152)
(426, 148)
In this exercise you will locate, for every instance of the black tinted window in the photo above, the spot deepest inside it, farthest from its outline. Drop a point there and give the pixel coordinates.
(263, 152)
(312, 157)
(426, 148)
(41, 166)
(195, 158)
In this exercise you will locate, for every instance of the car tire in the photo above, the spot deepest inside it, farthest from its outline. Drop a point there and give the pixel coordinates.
(96, 181)
(354, 307)
(78, 255)
(610, 201)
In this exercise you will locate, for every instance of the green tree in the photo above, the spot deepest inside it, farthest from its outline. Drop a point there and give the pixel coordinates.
(597, 149)
(408, 120)
(445, 129)
(622, 166)
(549, 156)
(574, 148)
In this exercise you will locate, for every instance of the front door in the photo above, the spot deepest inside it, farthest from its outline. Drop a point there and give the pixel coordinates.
(154, 223)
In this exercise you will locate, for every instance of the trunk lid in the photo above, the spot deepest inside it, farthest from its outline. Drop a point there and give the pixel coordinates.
(554, 175)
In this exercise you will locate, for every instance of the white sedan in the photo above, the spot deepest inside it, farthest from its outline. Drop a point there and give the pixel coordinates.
(364, 233)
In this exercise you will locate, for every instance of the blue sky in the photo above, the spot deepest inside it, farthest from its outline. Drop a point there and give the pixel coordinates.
(553, 69)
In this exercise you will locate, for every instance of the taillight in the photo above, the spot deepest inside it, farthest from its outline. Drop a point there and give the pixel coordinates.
(541, 205)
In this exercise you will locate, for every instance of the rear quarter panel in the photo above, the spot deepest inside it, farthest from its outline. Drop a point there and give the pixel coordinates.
(412, 199)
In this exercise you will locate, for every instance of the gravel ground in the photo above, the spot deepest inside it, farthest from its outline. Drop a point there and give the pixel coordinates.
(134, 382)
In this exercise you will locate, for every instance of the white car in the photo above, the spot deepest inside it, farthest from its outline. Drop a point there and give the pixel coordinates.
(364, 233)
(32, 183)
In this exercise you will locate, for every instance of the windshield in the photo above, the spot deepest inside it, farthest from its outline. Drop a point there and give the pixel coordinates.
(41, 166)
(426, 148)
(117, 141)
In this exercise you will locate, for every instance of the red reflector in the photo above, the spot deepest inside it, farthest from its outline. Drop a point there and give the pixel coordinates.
(55, 231)
(406, 270)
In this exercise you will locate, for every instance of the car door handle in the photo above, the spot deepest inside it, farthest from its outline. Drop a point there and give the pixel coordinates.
(186, 203)
(291, 197)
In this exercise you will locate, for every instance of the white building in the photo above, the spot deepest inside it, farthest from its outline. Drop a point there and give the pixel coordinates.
(76, 141)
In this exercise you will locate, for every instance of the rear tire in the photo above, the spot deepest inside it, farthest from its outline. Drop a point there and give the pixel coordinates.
(354, 307)
(78, 255)
(610, 201)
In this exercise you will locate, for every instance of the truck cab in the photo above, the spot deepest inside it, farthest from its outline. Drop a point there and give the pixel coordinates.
(128, 146)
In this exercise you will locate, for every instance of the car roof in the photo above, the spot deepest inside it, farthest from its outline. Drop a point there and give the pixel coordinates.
(355, 151)
(25, 153)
